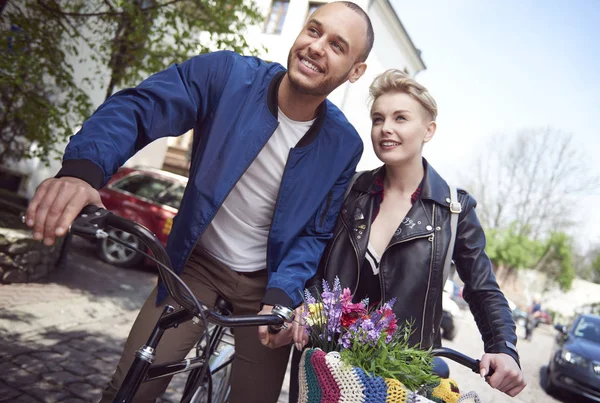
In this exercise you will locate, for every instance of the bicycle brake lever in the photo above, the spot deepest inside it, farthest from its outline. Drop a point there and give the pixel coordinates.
(285, 313)
(91, 223)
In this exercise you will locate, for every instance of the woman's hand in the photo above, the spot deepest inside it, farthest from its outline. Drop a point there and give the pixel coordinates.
(299, 334)
(507, 376)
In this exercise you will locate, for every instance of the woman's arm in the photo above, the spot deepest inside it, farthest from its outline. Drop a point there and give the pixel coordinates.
(486, 301)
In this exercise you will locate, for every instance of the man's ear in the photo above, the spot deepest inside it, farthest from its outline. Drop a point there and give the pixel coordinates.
(431, 127)
(357, 71)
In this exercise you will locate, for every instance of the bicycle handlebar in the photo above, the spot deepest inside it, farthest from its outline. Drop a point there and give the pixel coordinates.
(92, 223)
(471, 363)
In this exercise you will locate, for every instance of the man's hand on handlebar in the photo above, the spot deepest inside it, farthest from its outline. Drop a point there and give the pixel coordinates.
(279, 339)
(507, 376)
(55, 205)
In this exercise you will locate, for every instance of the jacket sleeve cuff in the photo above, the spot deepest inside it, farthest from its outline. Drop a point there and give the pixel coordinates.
(276, 296)
(506, 348)
(83, 169)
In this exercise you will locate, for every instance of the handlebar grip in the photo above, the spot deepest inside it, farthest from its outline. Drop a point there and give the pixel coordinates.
(245, 320)
(490, 369)
(460, 358)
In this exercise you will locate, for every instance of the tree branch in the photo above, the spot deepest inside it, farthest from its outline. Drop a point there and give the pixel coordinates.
(106, 13)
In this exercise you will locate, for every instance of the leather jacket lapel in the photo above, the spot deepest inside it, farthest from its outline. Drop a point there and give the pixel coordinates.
(416, 223)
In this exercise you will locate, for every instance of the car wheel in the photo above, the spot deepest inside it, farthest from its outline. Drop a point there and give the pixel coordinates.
(115, 253)
(548, 385)
(449, 334)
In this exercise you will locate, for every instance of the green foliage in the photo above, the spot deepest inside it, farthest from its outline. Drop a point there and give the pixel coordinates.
(40, 101)
(40, 40)
(135, 38)
(514, 249)
(595, 267)
(396, 359)
(560, 264)
(510, 249)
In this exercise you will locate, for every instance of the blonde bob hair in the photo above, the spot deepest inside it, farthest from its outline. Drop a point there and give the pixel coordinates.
(395, 80)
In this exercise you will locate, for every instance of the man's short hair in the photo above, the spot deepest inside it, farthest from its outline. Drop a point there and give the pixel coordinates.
(370, 32)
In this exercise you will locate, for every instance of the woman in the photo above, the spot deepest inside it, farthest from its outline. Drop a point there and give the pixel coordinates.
(394, 231)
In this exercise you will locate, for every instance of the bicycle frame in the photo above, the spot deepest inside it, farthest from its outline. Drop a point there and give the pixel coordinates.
(142, 370)
(91, 224)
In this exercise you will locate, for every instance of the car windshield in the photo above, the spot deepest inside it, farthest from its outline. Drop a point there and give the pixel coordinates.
(153, 189)
(588, 328)
(172, 196)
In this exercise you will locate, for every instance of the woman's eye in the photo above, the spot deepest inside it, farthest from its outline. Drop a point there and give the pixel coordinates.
(400, 117)
(377, 120)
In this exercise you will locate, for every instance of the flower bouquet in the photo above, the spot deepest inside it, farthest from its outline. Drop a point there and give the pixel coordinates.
(361, 354)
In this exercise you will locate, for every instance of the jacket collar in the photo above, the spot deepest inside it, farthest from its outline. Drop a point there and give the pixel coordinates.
(314, 130)
(433, 186)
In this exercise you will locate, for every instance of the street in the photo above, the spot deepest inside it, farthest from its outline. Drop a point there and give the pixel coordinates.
(534, 357)
(60, 338)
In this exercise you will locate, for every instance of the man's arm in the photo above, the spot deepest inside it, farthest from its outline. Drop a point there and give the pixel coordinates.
(286, 285)
(168, 103)
(300, 263)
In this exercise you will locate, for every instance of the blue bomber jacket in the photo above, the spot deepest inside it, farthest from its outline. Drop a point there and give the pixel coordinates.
(231, 103)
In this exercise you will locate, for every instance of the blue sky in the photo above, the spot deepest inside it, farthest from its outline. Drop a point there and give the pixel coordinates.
(498, 66)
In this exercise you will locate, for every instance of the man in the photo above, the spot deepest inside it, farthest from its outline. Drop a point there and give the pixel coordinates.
(271, 160)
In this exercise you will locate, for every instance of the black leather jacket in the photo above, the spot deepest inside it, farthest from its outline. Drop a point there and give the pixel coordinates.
(411, 268)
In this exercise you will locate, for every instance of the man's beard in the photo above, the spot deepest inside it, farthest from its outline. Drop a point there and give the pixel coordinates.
(323, 89)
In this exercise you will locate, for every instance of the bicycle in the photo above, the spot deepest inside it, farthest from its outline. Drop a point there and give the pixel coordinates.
(214, 355)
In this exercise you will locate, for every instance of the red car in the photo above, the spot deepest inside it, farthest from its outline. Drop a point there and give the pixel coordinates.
(146, 195)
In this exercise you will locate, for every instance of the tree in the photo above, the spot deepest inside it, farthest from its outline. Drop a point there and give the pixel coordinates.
(509, 251)
(135, 38)
(588, 265)
(39, 99)
(41, 39)
(528, 180)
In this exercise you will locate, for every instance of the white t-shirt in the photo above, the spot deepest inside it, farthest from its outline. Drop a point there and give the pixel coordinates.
(237, 236)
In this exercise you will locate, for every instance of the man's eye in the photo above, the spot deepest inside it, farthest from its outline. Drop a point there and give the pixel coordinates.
(337, 46)
(313, 31)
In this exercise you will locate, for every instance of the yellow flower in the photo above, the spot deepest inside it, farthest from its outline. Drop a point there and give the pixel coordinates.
(315, 314)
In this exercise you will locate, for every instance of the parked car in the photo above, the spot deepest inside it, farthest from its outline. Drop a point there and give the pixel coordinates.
(146, 195)
(575, 361)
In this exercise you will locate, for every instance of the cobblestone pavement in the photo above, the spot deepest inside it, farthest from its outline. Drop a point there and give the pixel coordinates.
(61, 338)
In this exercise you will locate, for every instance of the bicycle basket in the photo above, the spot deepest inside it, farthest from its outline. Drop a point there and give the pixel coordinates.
(323, 378)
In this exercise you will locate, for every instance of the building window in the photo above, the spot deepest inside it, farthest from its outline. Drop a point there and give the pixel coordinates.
(276, 18)
(311, 8)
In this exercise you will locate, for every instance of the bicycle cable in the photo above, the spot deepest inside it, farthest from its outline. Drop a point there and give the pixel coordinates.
(185, 286)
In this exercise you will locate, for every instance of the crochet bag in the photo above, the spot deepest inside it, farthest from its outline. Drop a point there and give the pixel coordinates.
(323, 378)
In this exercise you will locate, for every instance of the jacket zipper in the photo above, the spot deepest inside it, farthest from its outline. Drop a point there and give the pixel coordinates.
(386, 249)
(431, 238)
(230, 189)
(355, 254)
(329, 197)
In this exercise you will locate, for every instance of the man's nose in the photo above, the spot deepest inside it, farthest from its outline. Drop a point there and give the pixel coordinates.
(317, 47)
